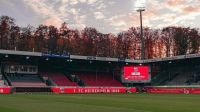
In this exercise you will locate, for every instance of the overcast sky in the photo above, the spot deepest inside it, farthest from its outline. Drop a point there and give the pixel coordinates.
(107, 16)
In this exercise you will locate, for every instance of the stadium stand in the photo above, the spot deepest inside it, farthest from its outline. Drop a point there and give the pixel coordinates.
(59, 79)
(83, 72)
(1, 80)
(159, 78)
(179, 79)
(91, 79)
(185, 79)
(181, 75)
(24, 80)
(1, 83)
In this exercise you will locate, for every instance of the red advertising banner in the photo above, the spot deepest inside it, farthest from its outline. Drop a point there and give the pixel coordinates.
(132, 90)
(136, 73)
(5, 90)
(56, 90)
(88, 90)
(194, 91)
(173, 90)
(94, 90)
(165, 91)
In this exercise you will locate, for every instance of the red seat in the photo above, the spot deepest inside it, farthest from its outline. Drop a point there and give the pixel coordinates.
(59, 79)
(99, 80)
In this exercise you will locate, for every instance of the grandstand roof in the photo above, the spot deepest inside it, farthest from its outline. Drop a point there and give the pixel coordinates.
(78, 57)
(40, 54)
(181, 57)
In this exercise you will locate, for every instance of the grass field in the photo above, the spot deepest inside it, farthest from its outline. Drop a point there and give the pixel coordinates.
(99, 103)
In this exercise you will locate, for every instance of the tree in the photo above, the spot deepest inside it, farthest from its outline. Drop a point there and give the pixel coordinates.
(194, 41)
(14, 37)
(181, 40)
(25, 42)
(150, 38)
(75, 42)
(112, 47)
(135, 47)
(124, 42)
(102, 45)
(6, 23)
(89, 35)
(167, 38)
(52, 40)
(159, 43)
(41, 37)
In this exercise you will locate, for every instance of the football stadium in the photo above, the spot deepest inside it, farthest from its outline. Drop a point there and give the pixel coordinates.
(61, 65)
(88, 83)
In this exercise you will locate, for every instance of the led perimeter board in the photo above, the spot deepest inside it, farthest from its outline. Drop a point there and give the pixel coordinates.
(136, 74)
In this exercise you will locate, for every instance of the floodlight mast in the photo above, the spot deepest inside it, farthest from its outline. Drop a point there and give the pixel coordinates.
(140, 10)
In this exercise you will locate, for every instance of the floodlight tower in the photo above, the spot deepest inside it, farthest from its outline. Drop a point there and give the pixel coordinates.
(140, 10)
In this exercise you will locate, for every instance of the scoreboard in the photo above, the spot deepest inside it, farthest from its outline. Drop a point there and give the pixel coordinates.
(136, 74)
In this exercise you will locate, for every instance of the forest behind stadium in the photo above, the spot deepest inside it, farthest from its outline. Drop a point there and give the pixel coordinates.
(159, 43)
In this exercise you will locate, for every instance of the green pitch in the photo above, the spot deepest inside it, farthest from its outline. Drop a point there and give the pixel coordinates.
(99, 103)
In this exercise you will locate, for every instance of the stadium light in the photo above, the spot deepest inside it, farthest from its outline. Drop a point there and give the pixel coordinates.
(140, 7)
(6, 56)
(27, 57)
